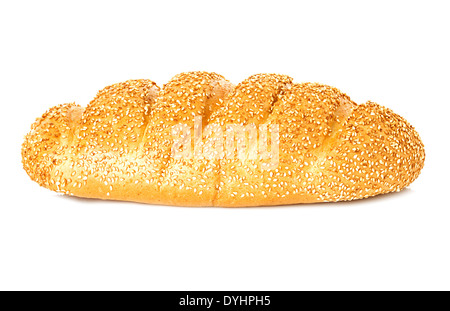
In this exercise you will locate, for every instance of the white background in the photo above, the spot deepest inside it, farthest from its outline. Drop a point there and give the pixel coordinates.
(393, 52)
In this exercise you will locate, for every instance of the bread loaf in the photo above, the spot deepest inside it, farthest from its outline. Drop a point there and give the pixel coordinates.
(201, 141)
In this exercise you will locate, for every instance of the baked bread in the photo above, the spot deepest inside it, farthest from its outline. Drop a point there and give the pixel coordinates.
(124, 144)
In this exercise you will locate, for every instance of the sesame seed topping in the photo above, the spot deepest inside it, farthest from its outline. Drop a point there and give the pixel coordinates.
(330, 148)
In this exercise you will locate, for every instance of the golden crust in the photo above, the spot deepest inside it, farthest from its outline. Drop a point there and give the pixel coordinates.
(120, 146)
